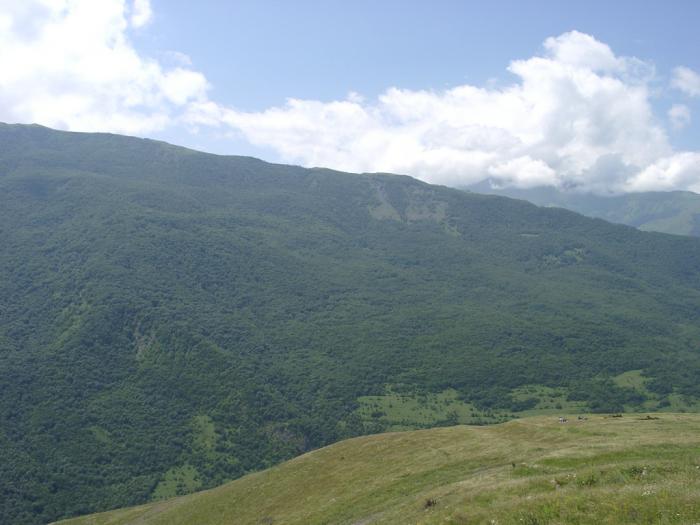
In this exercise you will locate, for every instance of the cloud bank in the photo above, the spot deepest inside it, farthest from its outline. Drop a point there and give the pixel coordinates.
(574, 116)
(69, 64)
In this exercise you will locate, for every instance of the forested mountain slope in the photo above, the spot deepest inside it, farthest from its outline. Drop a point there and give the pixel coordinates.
(171, 319)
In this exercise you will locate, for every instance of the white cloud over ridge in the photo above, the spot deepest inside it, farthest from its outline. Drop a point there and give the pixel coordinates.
(575, 116)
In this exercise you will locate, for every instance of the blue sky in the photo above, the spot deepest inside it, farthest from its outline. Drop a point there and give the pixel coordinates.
(424, 88)
(257, 53)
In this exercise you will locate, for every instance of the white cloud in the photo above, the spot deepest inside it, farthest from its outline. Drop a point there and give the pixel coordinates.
(582, 51)
(687, 81)
(69, 64)
(575, 115)
(180, 85)
(681, 170)
(524, 172)
(177, 57)
(679, 116)
(141, 13)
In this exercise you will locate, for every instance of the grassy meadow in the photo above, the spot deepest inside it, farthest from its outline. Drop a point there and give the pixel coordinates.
(634, 468)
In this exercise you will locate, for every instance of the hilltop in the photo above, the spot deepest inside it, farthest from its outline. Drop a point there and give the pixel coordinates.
(601, 470)
(172, 320)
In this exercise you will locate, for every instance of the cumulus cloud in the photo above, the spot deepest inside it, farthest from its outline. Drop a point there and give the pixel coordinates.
(681, 170)
(687, 81)
(141, 13)
(69, 64)
(574, 115)
(679, 116)
(524, 172)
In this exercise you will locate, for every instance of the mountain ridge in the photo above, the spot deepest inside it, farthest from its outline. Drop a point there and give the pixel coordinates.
(675, 212)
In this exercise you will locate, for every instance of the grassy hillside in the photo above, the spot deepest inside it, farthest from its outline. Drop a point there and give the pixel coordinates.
(171, 320)
(603, 470)
(676, 212)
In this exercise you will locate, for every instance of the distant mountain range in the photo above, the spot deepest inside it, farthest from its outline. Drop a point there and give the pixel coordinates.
(170, 320)
(676, 212)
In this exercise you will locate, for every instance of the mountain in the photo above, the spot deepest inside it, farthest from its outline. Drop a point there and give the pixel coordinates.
(676, 212)
(171, 320)
(599, 470)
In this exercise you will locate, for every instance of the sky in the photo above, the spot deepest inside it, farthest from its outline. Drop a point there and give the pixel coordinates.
(586, 96)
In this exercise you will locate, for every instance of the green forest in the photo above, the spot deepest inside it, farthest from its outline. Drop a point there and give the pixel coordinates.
(170, 319)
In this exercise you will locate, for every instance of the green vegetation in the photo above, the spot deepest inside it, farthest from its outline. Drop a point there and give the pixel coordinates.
(602, 470)
(178, 481)
(676, 212)
(405, 411)
(396, 412)
(173, 320)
